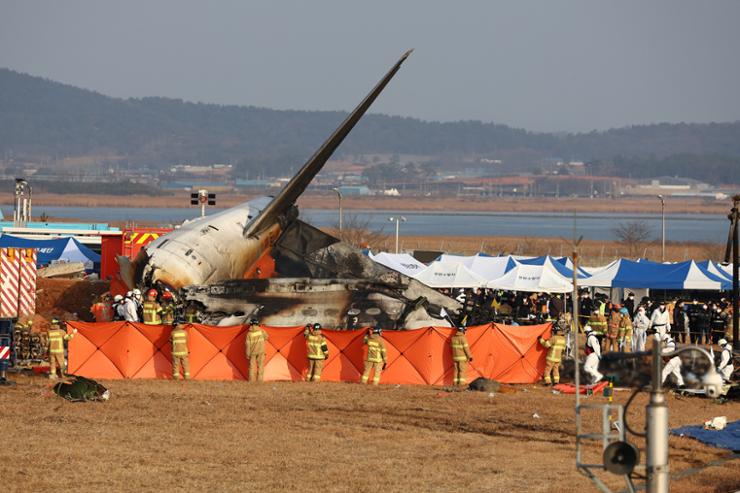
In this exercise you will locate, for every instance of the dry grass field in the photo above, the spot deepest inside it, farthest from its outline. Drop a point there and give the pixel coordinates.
(317, 200)
(234, 436)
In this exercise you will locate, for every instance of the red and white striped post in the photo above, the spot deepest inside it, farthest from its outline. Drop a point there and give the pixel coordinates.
(9, 282)
(27, 285)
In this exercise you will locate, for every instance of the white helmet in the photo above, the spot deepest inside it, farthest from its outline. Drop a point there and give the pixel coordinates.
(129, 294)
(118, 298)
(670, 343)
(722, 342)
(137, 292)
(587, 329)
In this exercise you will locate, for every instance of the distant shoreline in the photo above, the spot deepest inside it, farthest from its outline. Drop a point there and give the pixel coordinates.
(449, 205)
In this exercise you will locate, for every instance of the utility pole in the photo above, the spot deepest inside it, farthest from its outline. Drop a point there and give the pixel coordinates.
(398, 220)
(662, 225)
(341, 215)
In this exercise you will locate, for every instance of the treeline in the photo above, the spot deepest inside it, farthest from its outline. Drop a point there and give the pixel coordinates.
(710, 168)
(40, 118)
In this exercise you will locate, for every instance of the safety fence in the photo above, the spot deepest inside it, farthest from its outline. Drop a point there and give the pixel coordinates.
(17, 282)
(509, 354)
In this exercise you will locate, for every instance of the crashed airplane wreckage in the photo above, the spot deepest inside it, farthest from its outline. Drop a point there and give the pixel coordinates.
(318, 278)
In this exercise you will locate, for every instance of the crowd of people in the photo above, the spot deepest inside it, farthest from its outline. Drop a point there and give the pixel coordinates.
(692, 320)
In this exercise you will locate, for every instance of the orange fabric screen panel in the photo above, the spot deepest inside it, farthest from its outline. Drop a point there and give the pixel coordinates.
(422, 356)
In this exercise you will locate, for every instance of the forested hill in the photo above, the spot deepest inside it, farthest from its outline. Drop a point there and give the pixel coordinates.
(39, 117)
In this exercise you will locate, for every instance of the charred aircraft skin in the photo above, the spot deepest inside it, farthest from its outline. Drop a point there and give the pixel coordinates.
(287, 302)
(207, 258)
(338, 284)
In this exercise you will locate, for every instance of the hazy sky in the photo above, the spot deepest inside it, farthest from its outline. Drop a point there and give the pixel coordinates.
(541, 65)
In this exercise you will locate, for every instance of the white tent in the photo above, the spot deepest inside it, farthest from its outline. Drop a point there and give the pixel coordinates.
(533, 278)
(400, 262)
(450, 275)
(484, 265)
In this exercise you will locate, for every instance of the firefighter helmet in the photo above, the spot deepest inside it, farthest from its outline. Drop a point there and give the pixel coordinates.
(152, 293)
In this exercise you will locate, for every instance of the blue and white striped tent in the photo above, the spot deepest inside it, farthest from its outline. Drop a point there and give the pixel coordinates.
(625, 273)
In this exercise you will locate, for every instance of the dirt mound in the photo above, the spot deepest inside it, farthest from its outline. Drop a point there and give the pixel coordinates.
(67, 299)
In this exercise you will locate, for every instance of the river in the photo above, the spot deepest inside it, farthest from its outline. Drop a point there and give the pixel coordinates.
(594, 226)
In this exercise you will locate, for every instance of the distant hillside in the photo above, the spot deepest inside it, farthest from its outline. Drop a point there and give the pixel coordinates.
(39, 118)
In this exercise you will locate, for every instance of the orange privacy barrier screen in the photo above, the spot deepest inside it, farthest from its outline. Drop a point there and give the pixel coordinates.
(509, 354)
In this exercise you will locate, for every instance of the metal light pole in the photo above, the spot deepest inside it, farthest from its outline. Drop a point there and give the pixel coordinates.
(656, 418)
(398, 220)
(662, 225)
(734, 216)
(339, 195)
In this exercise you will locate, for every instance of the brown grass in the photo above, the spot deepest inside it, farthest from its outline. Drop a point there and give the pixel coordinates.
(591, 252)
(234, 436)
(315, 200)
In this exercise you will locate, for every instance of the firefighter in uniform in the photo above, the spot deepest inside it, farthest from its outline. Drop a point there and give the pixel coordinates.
(612, 330)
(597, 322)
(376, 356)
(255, 349)
(460, 356)
(168, 308)
(191, 313)
(625, 330)
(151, 309)
(179, 338)
(57, 336)
(318, 352)
(555, 346)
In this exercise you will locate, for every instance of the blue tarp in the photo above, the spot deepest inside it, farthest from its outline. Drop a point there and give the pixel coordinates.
(66, 249)
(729, 438)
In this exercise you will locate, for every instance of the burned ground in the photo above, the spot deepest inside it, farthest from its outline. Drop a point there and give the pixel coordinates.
(234, 436)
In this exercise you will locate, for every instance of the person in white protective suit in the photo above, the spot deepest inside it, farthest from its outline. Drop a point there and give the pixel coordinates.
(660, 320)
(129, 309)
(673, 366)
(593, 356)
(725, 367)
(639, 327)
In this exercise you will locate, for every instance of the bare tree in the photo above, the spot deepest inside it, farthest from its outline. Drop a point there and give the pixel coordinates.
(357, 232)
(633, 235)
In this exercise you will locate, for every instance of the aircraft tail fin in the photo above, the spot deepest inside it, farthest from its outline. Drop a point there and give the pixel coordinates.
(295, 187)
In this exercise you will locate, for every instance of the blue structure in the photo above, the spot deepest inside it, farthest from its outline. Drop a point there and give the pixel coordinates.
(66, 249)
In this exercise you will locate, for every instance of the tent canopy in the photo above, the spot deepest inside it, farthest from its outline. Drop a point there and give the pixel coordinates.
(563, 265)
(625, 273)
(533, 278)
(450, 275)
(400, 262)
(65, 249)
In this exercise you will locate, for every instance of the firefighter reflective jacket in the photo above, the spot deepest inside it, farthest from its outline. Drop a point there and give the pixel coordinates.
(556, 346)
(597, 323)
(317, 348)
(375, 349)
(179, 342)
(168, 313)
(460, 348)
(152, 313)
(625, 327)
(56, 340)
(255, 341)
